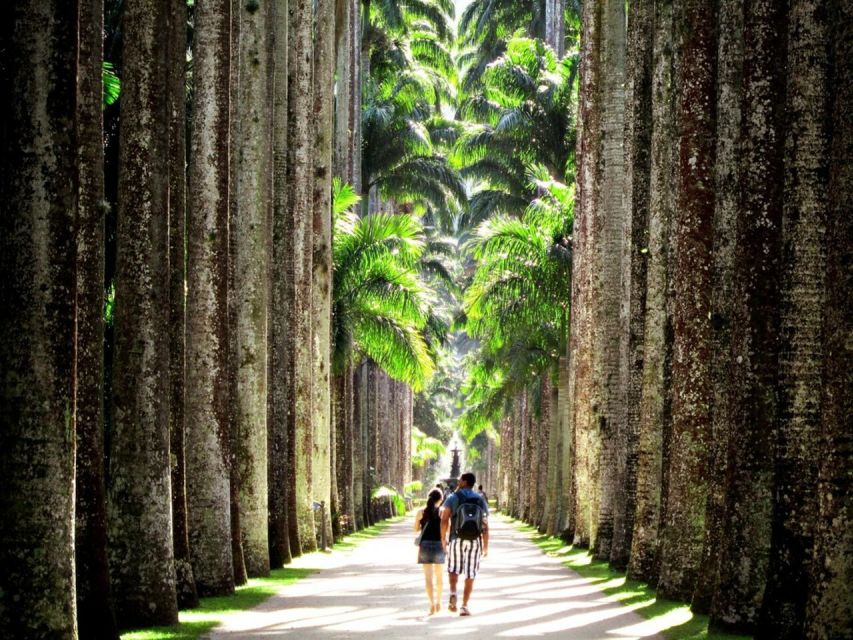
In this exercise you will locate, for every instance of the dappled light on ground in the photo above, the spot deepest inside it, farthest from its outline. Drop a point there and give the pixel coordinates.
(378, 589)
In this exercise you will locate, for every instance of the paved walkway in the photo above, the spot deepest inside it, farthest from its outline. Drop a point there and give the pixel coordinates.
(376, 591)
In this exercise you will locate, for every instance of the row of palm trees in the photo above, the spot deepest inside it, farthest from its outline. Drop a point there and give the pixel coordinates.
(689, 407)
(247, 365)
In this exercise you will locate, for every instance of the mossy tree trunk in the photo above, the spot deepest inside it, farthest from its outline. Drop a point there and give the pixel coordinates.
(684, 529)
(657, 340)
(753, 364)
(801, 355)
(95, 616)
(608, 216)
(251, 264)
(730, 49)
(207, 390)
(321, 285)
(829, 610)
(638, 129)
(300, 174)
(177, 100)
(279, 402)
(38, 214)
(140, 503)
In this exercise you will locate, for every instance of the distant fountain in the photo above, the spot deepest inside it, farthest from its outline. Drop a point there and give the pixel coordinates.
(455, 465)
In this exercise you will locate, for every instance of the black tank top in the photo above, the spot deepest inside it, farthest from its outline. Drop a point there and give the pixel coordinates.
(432, 529)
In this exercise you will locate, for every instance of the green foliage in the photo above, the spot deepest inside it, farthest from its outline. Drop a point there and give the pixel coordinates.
(425, 448)
(112, 84)
(380, 305)
(413, 487)
(521, 114)
(517, 303)
(397, 501)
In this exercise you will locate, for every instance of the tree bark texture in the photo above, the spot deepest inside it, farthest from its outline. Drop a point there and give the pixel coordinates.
(238, 561)
(251, 262)
(565, 498)
(95, 616)
(300, 173)
(554, 475)
(207, 391)
(655, 419)
(555, 26)
(755, 327)
(321, 286)
(587, 443)
(681, 544)
(801, 355)
(607, 224)
(177, 82)
(729, 96)
(635, 242)
(279, 402)
(829, 610)
(38, 213)
(140, 503)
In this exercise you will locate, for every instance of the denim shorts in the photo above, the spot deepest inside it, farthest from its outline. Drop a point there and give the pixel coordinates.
(430, 552)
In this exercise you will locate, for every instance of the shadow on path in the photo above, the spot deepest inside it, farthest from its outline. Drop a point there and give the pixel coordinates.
(376, 590)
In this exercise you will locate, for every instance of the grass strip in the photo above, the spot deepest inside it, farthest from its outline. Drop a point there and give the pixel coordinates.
(215, 610)
(673, 619)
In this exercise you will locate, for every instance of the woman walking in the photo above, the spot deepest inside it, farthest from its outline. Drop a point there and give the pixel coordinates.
(430, 548)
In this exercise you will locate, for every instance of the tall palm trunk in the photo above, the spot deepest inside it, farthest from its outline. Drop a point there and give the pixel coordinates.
(829, 611)
(177, 82)
(655, 420)
(729, 97)
(554, 476)
(140, 504)
(238, 560)
(251, 263)
(38, 214)
(755, 330)
(321, 286)
(95, 617)
(358, 451)
(555, 26)
(682, 536)
(638, 129)
(207, 391)
(279, 404)
(300, 173)
(595, 282)
(565, 522)
(609, 216)
(801, 356)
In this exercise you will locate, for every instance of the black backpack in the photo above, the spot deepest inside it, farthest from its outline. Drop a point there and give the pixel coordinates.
(468, 519)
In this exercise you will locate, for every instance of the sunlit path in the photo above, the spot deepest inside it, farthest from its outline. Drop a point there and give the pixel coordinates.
(378, 588)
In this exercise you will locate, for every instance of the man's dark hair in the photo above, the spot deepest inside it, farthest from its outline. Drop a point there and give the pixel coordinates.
(469, 479)
(480, 487)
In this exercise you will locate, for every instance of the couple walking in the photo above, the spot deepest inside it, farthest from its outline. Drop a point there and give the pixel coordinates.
(464, 516)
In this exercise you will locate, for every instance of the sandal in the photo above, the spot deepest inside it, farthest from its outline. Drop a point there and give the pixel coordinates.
(464, 611)
(451, 606)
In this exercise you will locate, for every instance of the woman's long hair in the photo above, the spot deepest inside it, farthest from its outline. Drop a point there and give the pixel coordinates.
(431, 509)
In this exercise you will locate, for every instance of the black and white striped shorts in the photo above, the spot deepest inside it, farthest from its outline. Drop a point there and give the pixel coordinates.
(463, 557)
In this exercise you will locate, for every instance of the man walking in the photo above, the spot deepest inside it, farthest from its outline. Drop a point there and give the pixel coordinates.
(465, 517)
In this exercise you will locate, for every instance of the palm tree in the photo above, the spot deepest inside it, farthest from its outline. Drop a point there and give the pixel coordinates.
(521, 115)
(401, 160)
(38, 207)
(380, 304)
(516, 306)
(140, 502)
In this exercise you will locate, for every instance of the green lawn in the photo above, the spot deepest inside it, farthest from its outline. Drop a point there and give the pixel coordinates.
(675, 618)
(214, 611)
